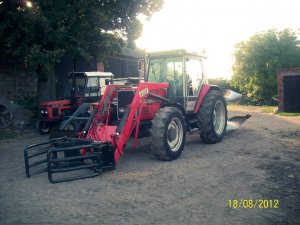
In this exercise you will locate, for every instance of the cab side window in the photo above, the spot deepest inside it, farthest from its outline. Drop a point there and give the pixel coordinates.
(79, 86)
(174, 76)
(93, 88)
(194, 76)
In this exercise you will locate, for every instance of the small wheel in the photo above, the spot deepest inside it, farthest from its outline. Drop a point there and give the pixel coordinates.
(168, 133)
(212, 117)
(43, 127)
(6, 116)
(70, 126)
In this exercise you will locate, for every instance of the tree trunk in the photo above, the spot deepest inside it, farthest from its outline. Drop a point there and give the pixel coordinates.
(47, 84)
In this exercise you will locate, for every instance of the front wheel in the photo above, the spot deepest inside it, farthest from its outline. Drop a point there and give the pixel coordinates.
(168, 132)
(43, 127)
(212, 117)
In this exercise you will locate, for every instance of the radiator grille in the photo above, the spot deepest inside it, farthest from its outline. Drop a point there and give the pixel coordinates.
(124, 99)
(55, 112)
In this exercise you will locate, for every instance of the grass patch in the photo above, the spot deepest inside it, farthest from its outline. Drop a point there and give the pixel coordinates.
(235, 106)
(261, 109)
(269, 109)
(7, 134)
(287, 114)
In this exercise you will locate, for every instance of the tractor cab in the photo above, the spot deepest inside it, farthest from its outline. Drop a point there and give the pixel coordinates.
(85, 86)
(182, 70)
(79, 87)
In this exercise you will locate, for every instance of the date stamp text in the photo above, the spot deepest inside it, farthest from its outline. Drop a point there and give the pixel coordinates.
(253, 204)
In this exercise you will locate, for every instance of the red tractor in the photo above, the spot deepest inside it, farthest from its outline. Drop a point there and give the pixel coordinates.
(176, 99)
(79, 87)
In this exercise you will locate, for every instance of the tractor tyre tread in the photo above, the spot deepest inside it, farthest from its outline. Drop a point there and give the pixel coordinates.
(205, 114)
(40, 130)
(158, 137)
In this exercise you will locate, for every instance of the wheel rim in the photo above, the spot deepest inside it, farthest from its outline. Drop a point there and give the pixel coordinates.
(44, 127)
(219, 117)
(70, 127)
(175, 134)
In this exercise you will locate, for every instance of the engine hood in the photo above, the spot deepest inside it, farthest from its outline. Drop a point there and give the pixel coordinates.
(55, 103)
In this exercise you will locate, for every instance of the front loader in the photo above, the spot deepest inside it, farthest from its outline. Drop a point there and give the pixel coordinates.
(176, 99)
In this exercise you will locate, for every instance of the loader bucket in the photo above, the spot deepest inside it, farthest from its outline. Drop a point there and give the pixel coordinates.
(235, 122)
(62, 160)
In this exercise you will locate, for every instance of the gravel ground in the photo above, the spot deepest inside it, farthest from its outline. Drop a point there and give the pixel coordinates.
(260, 161)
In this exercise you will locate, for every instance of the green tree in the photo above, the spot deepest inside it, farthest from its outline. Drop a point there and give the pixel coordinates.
(223, 83)
(40, 35)
(258, 59)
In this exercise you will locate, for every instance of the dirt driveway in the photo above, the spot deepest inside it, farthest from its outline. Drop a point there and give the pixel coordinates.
(258, 162)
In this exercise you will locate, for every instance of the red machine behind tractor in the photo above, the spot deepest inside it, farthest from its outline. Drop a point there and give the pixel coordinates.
(176, 99)
(79, 87)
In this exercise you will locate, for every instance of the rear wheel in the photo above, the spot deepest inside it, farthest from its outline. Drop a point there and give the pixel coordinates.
(168, 132)
(212, 117)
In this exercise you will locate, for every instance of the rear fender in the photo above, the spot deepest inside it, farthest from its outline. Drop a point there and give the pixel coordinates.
(204, 90)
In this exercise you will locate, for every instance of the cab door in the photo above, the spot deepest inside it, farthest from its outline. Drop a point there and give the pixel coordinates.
(92, 90)
(194, 79)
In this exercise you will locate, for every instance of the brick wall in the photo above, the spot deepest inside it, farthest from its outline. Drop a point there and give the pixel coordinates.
(15, 81)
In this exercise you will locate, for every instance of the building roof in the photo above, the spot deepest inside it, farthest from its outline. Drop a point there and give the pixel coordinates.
(135, 53)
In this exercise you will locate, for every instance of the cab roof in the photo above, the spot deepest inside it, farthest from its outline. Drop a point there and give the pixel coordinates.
(93, 74)
(178, 52)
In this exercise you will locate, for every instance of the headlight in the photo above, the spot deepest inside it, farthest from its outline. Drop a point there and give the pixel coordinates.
(44, 111)
(121, 110)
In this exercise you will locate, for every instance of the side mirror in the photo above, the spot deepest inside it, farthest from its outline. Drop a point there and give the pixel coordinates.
(107, 81)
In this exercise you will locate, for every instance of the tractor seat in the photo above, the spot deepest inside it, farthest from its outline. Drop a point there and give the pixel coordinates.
(172, 89)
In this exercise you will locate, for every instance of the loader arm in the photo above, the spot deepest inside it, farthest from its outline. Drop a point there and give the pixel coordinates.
(119, 135)
(133, 117)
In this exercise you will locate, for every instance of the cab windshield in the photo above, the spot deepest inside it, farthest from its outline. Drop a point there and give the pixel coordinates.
(164, 69)
(79, 83)
(167, 70)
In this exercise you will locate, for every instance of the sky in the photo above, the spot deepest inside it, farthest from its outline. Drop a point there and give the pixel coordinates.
(215, 26)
